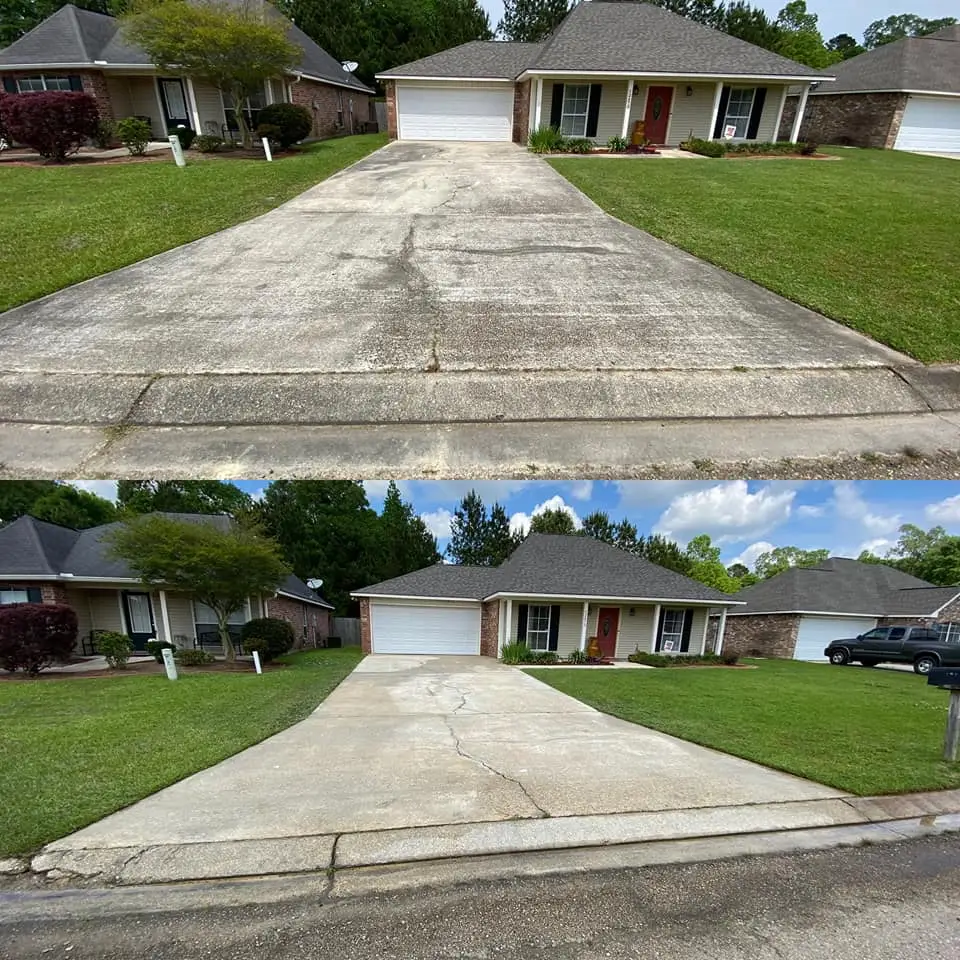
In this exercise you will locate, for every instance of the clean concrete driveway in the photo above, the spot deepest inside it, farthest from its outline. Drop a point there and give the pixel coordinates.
(426, 741)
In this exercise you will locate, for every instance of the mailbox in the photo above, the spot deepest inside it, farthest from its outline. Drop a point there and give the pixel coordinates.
(946, 677)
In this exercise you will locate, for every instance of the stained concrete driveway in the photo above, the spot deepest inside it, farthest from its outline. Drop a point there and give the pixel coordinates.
(436, 742)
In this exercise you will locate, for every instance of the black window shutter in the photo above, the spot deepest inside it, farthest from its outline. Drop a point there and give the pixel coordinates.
(758, 98)
(34, 595)
(659, 642)
(76, 83)
(9, 85)
(556, 108)
(554, 635)
(522, 623)
(593, 108)
(721, 113)
(687, 624)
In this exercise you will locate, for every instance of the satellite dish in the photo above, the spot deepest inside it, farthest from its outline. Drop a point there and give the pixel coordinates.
(315, 583)
(350, 65)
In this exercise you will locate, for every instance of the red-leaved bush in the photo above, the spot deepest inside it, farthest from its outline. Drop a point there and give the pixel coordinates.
(34, 635)
(55, 123)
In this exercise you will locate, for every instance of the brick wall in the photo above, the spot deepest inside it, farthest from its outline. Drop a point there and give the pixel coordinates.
(949, 614)
(848, 119)
(317, 628)
(365, 645)
(330, 107)
(49, 592)
(490, 628)
(391, 94)
(521, 111)
(93, 82)
(771, 635)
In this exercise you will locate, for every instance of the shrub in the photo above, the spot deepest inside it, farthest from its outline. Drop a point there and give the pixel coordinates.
(35, 635)
(617, 144)
(578, 145)
(577, 656)
(115, 647)
(185, 135)
(649, 659)
(546, 140)
(545, 656)
(105, 134)
(134, 134)
(156, 647)
(272, 132)
(293, 122)
(193, 658)
(276, 636)
(810, 148)
(730, 658)
(515, 653)
(4, 133)
(207, 144)
(55, 123)
(706, 148)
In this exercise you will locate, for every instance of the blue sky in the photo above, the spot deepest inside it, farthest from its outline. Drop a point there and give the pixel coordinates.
(836, 16)
(744, 517)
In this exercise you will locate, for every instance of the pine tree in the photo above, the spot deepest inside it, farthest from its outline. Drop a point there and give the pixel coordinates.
(469, 543)
(531, 20)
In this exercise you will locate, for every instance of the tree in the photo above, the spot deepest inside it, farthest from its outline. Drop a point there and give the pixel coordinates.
(800, 37)
(237, 47)
(182, 496)
(500, 541)
(405, 542)
(902, 25)
(703, 11)
(706, 566)
(738, 571)
(19, 16)
(845, 45)
(941, 565)
(751, 24)
(75, 508)
(775, 561)
(469, 543)
(625, 536)
(553, 521)
(17, 497)
(598, 526)
(531, 20)
(665, 553)
(220, 568)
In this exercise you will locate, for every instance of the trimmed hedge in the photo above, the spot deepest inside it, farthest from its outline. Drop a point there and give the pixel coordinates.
(682, 659)
(293, 123)
(35, 635)
(55, 123)
(269, 636)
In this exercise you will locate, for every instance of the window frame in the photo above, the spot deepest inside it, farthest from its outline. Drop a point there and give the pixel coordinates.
(736, 118)
(12, 603)
(45, 83)
(663, 635)
(544, 631)
(949, 632)
(565, 113)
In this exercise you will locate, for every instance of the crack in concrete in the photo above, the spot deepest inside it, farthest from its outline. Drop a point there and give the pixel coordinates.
(535, 248)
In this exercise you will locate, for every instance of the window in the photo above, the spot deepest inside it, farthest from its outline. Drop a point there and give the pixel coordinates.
(573, 119)
(878, 633)
(671, 631)
(205, 614)
(538, 628)
(251, 107)
(39, 84)
(739, 108)
(896, 633)
(339, 108)
(13, 596)
(949, 632)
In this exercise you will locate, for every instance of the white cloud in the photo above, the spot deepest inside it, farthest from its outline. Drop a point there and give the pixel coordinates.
(650, 494)
(727, 512)
(878, 546)
(946, 511)
(749, 556)
(520, 522)
(811, 510)
(438, 522)
(581, 489)
(102, 488)
(849, 505)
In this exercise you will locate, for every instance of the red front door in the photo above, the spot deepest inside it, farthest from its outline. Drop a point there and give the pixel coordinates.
(657, 117)
(608, 620)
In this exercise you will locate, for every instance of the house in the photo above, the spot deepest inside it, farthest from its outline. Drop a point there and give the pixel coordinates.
(903, 96)
(798, 612)
(43, 562)
(606, 67)
(76, 49)
(554, 593)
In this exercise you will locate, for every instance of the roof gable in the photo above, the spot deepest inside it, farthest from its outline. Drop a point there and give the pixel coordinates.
(478, 59)
(31, 547)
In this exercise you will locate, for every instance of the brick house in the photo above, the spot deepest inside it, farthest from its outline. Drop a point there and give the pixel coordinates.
(44, 562)
(76, 49)
(798, 612)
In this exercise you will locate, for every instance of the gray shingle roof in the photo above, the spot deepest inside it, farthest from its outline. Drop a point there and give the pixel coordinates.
(75, 36)
(553, 565)
(913, 63)
(30, 547)
(841, 585)
(478, 58)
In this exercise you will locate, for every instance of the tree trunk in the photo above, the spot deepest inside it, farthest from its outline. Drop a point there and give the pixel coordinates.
(226, 641)
(238, 101)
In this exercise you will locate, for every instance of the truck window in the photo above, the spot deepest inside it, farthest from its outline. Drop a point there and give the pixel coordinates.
(896, 633)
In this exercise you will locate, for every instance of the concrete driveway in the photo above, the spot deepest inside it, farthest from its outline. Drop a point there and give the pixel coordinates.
(439, 283)
(411, 742)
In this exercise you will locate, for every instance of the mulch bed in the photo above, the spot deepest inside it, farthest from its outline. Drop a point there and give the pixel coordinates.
(142, 669)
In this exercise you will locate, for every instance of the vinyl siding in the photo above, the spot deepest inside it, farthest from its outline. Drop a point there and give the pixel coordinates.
(768, 119)
(119, 90)
(142, 93)
(690, 114)
(636, 632)
(210, 108)
(81, 606)
(105, 611)
(613, 100)
(180, 612)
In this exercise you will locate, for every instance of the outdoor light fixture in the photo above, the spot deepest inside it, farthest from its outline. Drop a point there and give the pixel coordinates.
(632, 611)
(689, 91)
(636, 89)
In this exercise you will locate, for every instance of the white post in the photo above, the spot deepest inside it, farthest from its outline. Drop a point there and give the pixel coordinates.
(626, 108)
(194, 108)
(717, 94)
(169, 663)
(165, 617)
(266, 149)
(178, 156)
(536, 113)
(783, 103)
(506, 626)
(583, 627)
(256, 662)
(798, 119)
(656, 625)
(706, 627)
(718, 646)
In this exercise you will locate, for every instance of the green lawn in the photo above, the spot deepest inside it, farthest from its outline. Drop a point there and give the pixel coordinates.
(61, 225)
(861, 730)
(870, 240)
(72, 751)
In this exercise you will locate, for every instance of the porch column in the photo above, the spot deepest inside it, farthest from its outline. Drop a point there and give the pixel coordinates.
(506, 625)
(656, 625)
(783, 103)
(706, 627)
(501, 625)
(626, 108)
(717, 93)
(798, 119)
(718, 646)
(194, 109)
(165, 617)
(535, 114)
(583, 627)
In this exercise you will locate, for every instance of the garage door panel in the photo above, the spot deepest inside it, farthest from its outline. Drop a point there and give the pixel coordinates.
(426, 629)
(455, 112)
(932, 124)
(816, 632)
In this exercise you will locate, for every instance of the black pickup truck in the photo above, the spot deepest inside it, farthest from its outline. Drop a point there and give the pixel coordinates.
(920, 646)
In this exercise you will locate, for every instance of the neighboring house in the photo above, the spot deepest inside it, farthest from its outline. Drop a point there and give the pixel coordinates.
(76, 49)
(605, 67)
(798, 612)
(43, 562)
(553, 593)
(904, 95)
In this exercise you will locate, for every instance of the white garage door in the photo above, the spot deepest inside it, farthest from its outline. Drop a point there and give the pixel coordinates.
(816, 632)
(931, 123)
(455, 112)
(424, 629)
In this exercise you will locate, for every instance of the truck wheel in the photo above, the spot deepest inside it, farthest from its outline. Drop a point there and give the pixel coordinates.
(924, 664)
(839, 657)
